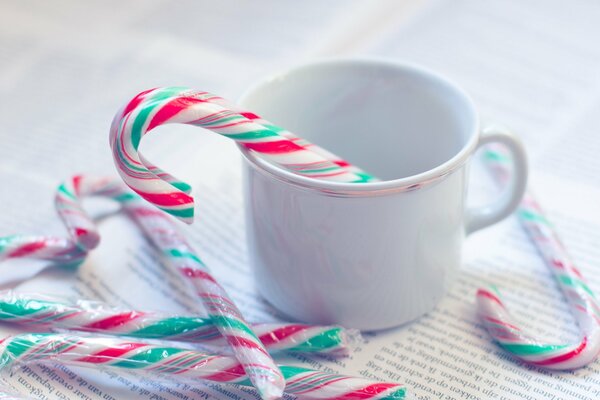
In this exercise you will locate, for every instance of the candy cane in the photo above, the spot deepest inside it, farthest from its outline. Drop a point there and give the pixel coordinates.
(366, 177)
(58, 250)
(221, 310)
(118, 354)
(155, 107)
(582, 300)
(93, 316)
(82, 230)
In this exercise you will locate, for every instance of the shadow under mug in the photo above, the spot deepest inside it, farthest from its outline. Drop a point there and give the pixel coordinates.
(371, 255)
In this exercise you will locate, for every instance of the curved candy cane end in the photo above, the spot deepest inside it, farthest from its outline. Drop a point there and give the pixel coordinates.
(488, 298)
(86, 239)
(185, 215)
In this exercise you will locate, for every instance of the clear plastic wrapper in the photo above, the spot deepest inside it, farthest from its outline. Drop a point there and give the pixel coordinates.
(115, 354)
(55, 313)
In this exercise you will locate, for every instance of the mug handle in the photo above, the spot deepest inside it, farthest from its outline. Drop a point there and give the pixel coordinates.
(510, 197)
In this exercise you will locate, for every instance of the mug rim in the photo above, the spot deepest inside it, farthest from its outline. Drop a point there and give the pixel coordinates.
(408, 183)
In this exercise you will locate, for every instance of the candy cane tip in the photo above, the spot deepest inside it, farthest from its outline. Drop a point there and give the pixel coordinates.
(87, 239)
(186, 216)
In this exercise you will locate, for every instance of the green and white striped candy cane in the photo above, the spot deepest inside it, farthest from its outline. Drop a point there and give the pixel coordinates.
(115, 353)
(582, 300)
(91, 316)
(161, 231)
(156, 107)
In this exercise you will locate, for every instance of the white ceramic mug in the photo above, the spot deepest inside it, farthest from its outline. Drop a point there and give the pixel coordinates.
(373, 255)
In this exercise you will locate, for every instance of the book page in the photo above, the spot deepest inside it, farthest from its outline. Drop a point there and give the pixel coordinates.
(546, 89)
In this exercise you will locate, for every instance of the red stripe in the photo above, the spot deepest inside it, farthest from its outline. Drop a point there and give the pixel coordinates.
(368, 392)
(226, 375)
(114, 321)
(196, 273)
(278, 147)
(499, 322)
(171, 109)
(250, 115)
(342, 163)
(76, 183)
(576, 272)
(136, 101)
(167, 199)
(111, 353)
(563, 357)
(243, 342)
(279, 334)
(489, 295)
(27, 249)
(81, 232)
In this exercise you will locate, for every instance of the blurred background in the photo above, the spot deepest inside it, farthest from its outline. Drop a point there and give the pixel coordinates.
(67, 66)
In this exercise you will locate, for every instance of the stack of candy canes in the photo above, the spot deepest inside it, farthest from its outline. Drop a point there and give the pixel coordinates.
(224, 325)
(107, 347)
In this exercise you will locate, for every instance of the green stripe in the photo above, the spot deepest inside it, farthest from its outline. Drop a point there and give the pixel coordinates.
(274, 128)
(184, 187)
(147, 107)
(21, 308)
(521, 349)
(7, 241)
(531, 216)
(398, 394)
(363, 177)
(64, 190)
(228, 322)
(147, 357)
(125, 197)
(321, 170)
(70, 265)
(251, 135)
(574, 283)
(494, 289)
(172, 327)
(179, 212)
(495, 156)
(182, 254)
(289, 371)
(129, 165)
(138, 123)
(21, 344)
(325, 340)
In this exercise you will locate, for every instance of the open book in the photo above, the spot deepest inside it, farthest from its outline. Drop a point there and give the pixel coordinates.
(530, 65)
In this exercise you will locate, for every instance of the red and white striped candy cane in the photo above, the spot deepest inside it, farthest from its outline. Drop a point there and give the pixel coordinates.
(120, 354)
(160, 229)
(156, 107)
(93, 316)
(582, 300)
(298, 140)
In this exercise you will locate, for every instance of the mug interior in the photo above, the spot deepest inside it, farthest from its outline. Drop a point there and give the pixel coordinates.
(392, 120)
